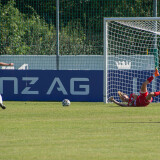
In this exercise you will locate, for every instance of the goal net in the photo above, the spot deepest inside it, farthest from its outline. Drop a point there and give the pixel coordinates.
(131, 53)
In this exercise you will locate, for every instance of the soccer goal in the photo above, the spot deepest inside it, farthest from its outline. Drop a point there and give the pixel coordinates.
(131, 53)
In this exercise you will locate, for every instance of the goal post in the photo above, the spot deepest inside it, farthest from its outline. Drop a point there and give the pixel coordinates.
(131, 53)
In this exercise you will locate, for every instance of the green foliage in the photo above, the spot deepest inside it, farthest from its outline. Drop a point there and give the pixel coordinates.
(28, 27)
(21, 35)
(74, 41)
(138, 8)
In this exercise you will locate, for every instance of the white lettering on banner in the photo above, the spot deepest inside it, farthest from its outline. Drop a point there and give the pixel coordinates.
(85, 87)
(7, 67)
(23, 67)
(123, 64)
(33, 80)
(60, 88)
(15, 81)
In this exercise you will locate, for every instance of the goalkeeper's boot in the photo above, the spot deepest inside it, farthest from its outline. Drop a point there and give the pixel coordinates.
(156, 73)
(2, 106)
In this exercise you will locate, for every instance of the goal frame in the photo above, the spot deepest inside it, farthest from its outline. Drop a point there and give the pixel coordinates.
(105, 46)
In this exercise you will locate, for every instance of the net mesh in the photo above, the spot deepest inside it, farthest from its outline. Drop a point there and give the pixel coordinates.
(28, 30)
(133, 54)
(132, 38)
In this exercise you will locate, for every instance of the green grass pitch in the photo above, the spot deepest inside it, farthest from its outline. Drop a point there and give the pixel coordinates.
(82, 131)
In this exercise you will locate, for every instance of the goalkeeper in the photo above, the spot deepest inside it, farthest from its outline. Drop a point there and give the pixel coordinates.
(141, 100)
(1, 101)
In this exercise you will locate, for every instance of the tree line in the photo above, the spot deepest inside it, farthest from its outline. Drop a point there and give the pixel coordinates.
(29, 27)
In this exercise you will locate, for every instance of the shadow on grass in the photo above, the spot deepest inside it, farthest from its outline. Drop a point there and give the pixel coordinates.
(135, 122)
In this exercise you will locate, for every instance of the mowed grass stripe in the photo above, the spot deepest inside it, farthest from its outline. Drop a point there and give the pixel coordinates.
(97, 131)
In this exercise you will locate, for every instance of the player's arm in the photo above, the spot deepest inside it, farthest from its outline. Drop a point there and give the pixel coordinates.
(6, 64)
(118, 103)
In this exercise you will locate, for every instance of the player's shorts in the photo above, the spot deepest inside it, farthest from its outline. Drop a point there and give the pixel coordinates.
(141, 100)
(131, 101)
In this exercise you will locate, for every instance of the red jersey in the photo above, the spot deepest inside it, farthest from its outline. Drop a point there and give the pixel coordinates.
(140, 101)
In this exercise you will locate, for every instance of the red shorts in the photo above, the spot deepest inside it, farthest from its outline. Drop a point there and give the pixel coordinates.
(141, 100)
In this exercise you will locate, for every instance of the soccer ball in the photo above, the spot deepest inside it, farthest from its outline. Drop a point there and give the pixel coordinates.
(66, 102)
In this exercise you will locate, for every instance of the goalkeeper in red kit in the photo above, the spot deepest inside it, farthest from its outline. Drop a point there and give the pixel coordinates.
(141, 100)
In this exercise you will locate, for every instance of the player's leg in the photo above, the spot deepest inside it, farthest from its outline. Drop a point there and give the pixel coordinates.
(144, 85)
(1, 103)
(152, 94)
(149, 80)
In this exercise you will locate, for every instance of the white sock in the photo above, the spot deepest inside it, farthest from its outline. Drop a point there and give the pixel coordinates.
(1, 101)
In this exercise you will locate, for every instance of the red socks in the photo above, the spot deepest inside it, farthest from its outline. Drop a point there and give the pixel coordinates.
(150, 79)
(156, 93)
